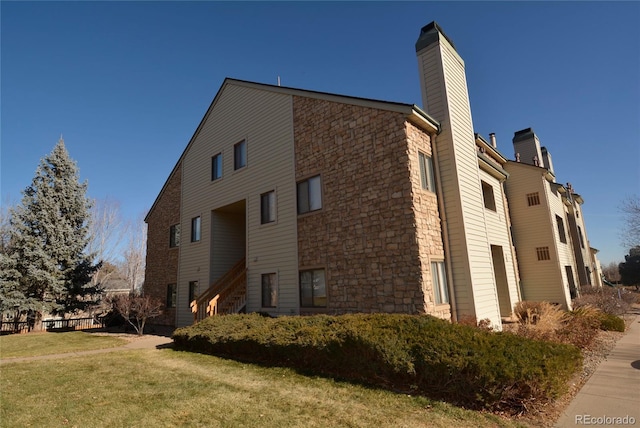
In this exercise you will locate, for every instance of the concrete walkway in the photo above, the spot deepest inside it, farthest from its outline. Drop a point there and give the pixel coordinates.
(147, 341)
(611, 396)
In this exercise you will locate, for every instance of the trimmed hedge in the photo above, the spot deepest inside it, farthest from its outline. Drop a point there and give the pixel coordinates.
(409, 353)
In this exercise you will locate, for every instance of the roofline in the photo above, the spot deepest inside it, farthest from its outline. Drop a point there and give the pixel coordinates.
(414, 113)
(488, 146)
(544, 171)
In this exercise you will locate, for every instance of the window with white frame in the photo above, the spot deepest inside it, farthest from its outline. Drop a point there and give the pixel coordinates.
(309, 195)
(426, 172)
(240, 155)
(216, 167)
(313, 289)
(439, 277)
(195, 229)
(268, 207)
(269, 290)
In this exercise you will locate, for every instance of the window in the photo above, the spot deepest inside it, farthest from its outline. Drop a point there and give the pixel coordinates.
(561, 232)
(487, 194)
(533, 199)
(216, 167)
(313, 289)
(269, 293)
(268, 207)
(174, 236)
(572, 283)
(439, 277)
(426, 172)
(309, 195)
(172, 290)
(580, 237)
(195, 229)
(240, 155)
(543, 253)
(193, 286)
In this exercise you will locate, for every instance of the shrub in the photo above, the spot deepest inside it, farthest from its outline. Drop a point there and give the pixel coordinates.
(580, 327)
(610, 322)
(614, 301)
(539, 320)
(418, 354)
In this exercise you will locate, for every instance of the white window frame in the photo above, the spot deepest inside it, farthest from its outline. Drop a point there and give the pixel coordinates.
(309, 194)
(439, 280)
(427, 176)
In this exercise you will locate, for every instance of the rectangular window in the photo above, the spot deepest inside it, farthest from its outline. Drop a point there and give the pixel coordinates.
(439, 276)
(426, 172)
(193, 286)
(174, 236)
(216, 167)
(487, 194)
(172, 290)
(268, 207)
(240, 155)
(572, 283)
(580, 237)
(309, 195)
(561, 232)
(269, 290)
(313, 289)
(195, 229)
(533, 199)
(543, 253)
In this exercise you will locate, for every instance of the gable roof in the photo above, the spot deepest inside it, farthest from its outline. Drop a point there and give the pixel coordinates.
(414, 113)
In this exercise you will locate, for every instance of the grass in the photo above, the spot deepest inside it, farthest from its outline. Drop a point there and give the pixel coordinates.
(37, 344)
(166, 388)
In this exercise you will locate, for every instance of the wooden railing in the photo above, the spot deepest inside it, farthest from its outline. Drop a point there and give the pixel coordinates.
(225, 296)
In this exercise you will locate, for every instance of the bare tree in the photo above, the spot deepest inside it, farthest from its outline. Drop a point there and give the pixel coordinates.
(136, 309)
(107, 231)
(611, 273)
(134, 255)
(630, 209)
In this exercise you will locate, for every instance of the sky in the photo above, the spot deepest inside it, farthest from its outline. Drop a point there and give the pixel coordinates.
(127, 83)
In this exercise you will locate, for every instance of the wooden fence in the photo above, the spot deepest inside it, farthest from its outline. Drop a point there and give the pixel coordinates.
(9, 327)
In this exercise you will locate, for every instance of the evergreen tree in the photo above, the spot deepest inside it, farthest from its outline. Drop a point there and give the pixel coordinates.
(46, 268)
(630, 269)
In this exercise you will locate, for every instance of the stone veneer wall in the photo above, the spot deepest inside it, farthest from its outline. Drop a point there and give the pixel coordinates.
(428, 224)
(162, 261)
(365, 235)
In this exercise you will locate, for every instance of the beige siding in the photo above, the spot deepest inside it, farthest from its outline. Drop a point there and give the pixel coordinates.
(498, 234)
(264, 120)
(533, 227)
(445, 97)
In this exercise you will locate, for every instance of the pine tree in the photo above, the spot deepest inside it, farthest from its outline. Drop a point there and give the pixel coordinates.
(46, 268)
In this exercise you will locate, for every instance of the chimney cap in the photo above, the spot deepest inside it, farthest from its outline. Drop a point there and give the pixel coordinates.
(523, 134)
(429, 34)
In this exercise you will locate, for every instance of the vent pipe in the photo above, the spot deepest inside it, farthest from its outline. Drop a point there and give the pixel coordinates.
(492, 138)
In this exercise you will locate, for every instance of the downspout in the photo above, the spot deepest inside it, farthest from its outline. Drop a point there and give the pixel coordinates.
(445, 232)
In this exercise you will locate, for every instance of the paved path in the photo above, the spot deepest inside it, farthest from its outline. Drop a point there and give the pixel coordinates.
(611, 396)
(145, 342)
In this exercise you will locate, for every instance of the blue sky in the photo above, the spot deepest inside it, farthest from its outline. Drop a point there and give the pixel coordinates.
(127, 83)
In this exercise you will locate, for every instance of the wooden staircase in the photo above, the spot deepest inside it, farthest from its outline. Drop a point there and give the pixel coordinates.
(228, 295)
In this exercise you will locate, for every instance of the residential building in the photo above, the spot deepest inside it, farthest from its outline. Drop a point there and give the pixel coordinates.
(289, 201)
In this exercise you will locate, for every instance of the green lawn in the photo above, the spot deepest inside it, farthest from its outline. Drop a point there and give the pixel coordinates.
(166, 388)
(36, 344)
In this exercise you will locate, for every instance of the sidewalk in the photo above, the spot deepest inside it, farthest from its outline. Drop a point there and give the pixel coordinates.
(611, 396)
(147, 341)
